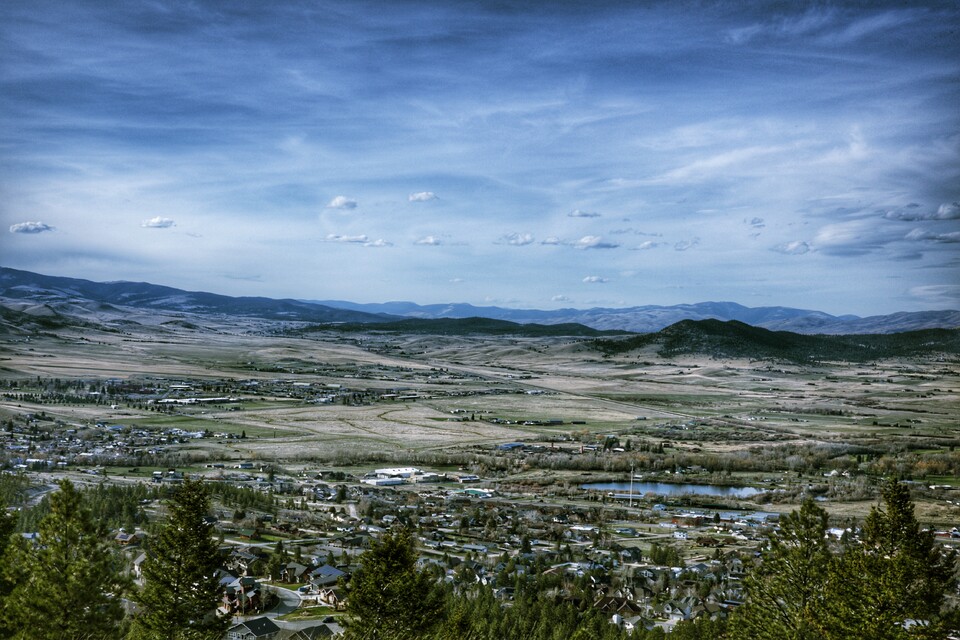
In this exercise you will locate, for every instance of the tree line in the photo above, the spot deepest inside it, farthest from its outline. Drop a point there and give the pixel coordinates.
(890, 581)
(68, 583)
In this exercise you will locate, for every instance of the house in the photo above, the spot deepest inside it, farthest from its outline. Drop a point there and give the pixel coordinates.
(295, 572)
(475, 548)
(225, 577)
(313, 632)
(621, 606)
(677, 611)
(334, 597)
(126, 539)
(631, 623)
(255, 629)
(138, 565)
(325, 576)
(248, 561)
(242, 596)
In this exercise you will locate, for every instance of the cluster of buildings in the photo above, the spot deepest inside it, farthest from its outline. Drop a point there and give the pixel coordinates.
(477, 536)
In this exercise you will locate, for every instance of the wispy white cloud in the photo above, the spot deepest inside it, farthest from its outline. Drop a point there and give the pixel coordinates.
(342, 202)
(741, 160)
(914, 212)
(577, 213)
(30, 227)
(684, 245)
(594, 242)
(158, 222)
(552, 240)
(360, 239)
(813, 20)
(930, 236)
(432, 241)
(830, 26)
(516, 239)
(948, 211)
(938, 295)
(630, 230)
(595, 279)
(701, 135)
(422, 196)
(560, 298)
(794, 248)
(859, 28)
(855, 237)
(646, 245)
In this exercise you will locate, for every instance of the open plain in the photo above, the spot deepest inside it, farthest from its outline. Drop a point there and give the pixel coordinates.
(343, 399)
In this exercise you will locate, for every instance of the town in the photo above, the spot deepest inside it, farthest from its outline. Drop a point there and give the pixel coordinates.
(646, 548)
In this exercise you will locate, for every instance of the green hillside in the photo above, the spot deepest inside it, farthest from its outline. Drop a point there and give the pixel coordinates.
(738, 340)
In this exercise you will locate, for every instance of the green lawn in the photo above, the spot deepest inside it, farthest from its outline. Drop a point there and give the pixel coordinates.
(308, 613)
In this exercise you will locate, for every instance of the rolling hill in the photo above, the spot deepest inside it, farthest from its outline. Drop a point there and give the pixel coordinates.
(733, 339)
(56, 291)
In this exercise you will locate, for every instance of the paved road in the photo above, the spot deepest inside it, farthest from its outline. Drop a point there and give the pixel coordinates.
(289, 601)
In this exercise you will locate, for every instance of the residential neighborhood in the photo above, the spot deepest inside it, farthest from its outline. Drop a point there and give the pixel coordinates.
(643, 549)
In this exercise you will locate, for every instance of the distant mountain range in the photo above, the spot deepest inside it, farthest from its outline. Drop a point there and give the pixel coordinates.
(651, 318)
(52, 290)
(24, 288)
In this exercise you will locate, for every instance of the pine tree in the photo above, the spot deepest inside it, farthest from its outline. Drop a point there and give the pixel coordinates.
(700, 628)
(277, 561)
(893, 583)
(182, 589)
(68, 586)
(7, 525)
(387, 597)
(784, 591)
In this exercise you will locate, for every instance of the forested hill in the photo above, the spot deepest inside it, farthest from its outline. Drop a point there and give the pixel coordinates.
(464, 327)
(734, 339)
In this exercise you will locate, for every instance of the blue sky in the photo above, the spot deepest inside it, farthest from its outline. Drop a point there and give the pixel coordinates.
(523, 154)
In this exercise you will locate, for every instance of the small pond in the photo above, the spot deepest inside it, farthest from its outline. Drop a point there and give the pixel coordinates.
(671, 489)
